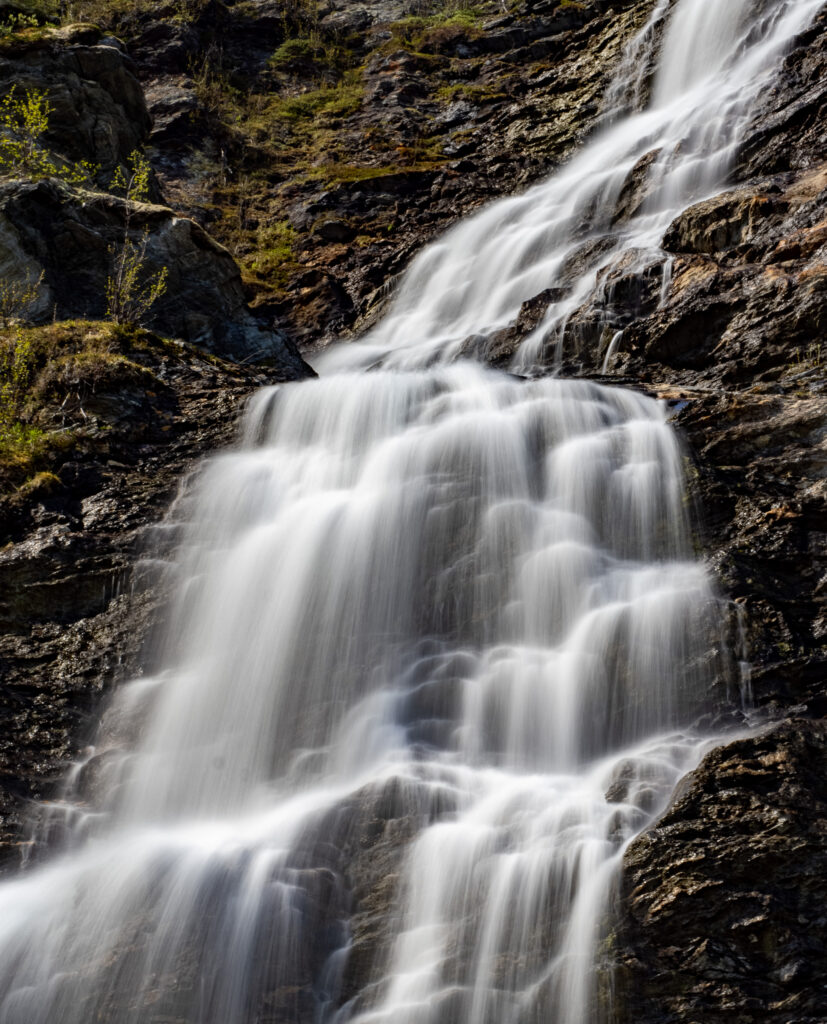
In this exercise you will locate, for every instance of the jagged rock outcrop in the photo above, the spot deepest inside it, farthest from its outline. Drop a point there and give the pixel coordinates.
(99, 112)
(73, 236)
(725, 917)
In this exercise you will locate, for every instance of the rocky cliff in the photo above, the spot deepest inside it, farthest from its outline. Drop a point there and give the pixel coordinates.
(318, 147)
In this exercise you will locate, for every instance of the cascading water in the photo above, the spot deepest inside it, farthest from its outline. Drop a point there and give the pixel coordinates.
(715, 58)
(449, 590)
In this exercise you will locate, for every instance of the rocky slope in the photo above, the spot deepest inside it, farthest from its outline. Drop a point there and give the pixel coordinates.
(324, 143)
(323, 150)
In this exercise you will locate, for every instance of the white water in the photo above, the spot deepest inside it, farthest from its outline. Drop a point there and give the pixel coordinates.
(444, 601)
(717, 57)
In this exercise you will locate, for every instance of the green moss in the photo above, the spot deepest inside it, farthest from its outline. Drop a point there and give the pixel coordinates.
(328, 100)
(15, 41)
(40, 484)
(478, 94)
(275, 257)
(292, 51)
(343, 174)
(340, 174)
(435, 32)
(84, 373)
(72, 359)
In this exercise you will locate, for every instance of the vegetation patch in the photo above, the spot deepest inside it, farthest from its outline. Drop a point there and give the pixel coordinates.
(24, 119)
(439, 32)
(275, 254)
(48, 373)
(85, 373)
(477, 94)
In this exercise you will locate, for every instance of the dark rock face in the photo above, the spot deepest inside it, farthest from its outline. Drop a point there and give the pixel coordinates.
(99, 112)
(724, 898)
(759, 458)
(71, 235)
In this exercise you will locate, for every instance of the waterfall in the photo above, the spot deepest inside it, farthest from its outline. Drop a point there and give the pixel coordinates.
(617, 195)
(465, 601)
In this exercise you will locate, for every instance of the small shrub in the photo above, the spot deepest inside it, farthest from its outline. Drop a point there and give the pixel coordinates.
(24, 121)
(130, 291)
(18, 23)
(292, 51)
(21, 448)
(213, 89)
(17, 298)
(16, 367)
(275, 255)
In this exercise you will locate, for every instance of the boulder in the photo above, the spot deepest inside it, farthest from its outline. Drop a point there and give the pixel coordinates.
(723, 222)
(99, 113)
(72, 235)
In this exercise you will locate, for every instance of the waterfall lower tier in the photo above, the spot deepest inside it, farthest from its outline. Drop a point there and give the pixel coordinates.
(453, 592)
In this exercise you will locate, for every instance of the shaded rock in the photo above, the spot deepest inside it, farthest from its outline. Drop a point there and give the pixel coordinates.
(71, 235)
(173, 104)
(99, 112)
(333, 229)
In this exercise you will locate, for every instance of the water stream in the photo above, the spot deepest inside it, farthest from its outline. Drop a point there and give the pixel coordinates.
(710, 60)
(433, 617)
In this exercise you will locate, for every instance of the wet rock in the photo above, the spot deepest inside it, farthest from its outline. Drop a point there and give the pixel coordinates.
(499, 348)
(723, 910)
